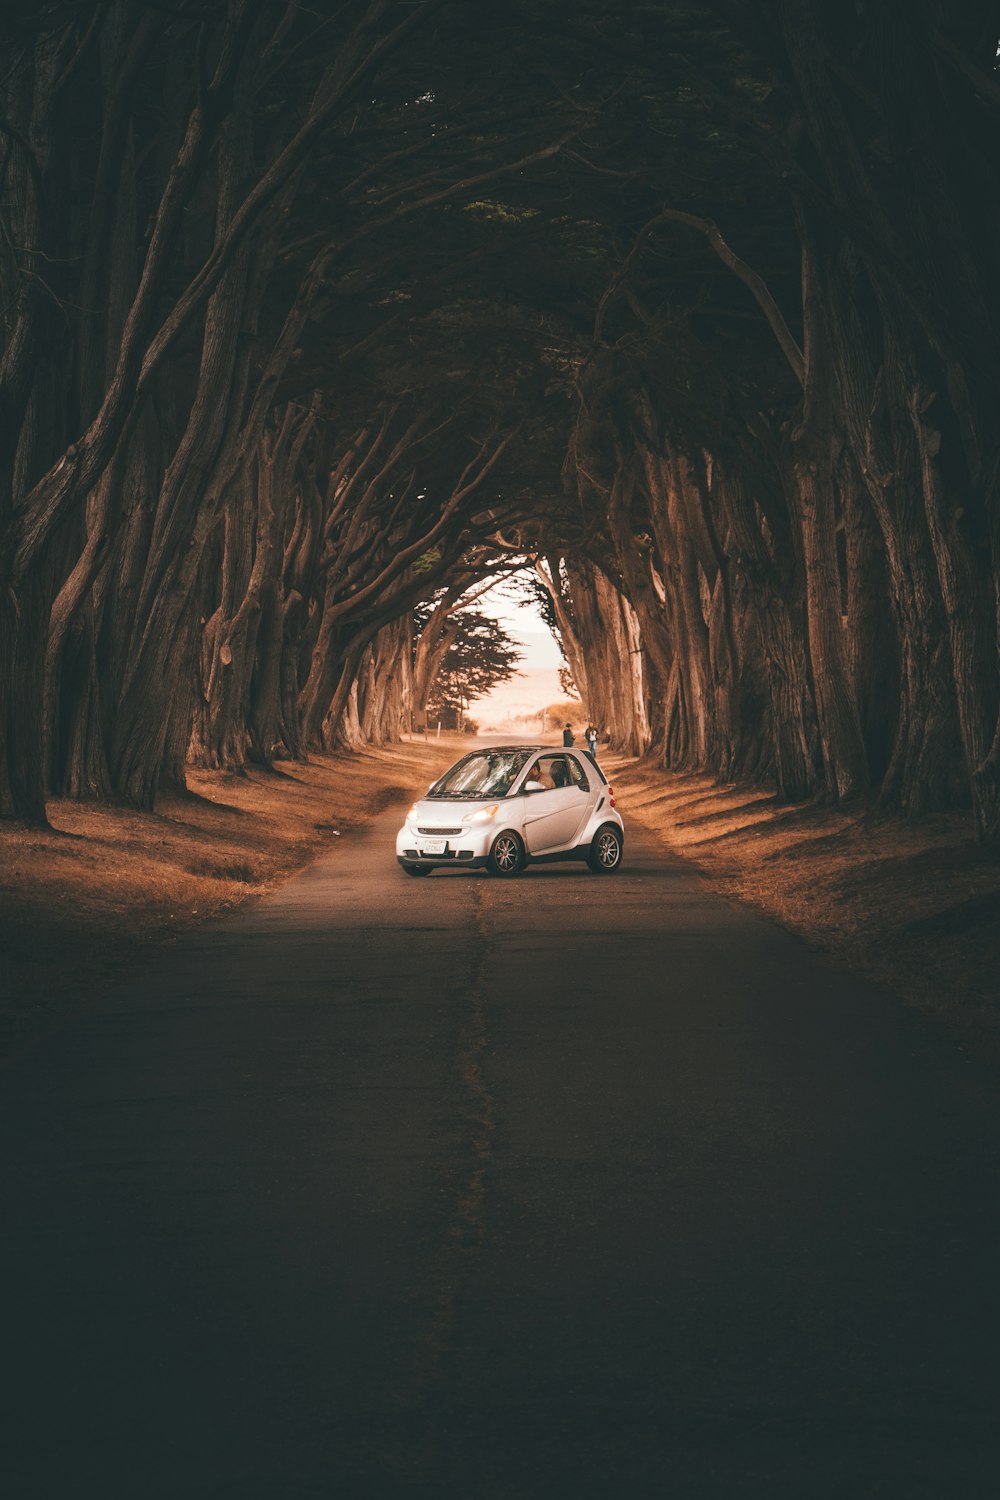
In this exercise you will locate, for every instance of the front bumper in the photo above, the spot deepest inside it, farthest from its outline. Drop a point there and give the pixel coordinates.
(467, 850)
(459, 859)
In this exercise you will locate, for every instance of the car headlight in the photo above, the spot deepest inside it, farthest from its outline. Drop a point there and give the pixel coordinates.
(483, 815)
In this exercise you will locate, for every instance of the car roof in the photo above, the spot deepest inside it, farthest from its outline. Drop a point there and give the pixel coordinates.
(531, 745)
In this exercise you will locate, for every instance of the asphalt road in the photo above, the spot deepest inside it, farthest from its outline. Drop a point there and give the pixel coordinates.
(565, 1187)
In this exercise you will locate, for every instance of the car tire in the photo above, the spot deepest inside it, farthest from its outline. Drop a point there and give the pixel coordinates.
(418, 869)
(606, 850)
(506, 856)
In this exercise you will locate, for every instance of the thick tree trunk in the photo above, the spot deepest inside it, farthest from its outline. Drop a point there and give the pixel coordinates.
(924, 770)
(342, 707)
(633, 561)
(23, 622)
(387, 702)
(873, 649)
(966, 567)
(817, 446)
(780, 634)
(265, 714)
(186, 507)
(325, 668)
(80, 756)
(688, 722)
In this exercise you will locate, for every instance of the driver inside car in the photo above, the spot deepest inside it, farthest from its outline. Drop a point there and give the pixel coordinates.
(540, 774)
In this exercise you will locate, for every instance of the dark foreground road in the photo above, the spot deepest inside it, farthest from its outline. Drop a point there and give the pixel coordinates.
(448, 1188)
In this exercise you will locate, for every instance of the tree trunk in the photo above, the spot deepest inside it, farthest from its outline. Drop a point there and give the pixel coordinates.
(873, 649)
(966, 567)
(816, 445)
(780, 633)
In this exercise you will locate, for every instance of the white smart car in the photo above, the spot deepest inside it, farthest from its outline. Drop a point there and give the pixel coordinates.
(502, 808)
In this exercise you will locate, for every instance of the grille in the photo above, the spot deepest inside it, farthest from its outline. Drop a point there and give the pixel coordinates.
(439, 832)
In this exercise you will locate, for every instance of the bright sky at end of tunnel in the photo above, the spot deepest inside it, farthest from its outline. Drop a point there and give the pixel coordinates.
(538, 683)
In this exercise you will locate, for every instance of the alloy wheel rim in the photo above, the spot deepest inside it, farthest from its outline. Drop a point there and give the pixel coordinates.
(506, 854)
(608, 849)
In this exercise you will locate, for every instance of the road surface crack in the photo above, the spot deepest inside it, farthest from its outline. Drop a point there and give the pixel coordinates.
(456, 1262)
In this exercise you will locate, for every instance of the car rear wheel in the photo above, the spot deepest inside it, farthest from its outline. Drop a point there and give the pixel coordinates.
(606, 850)
(506, 856)
(418, 869)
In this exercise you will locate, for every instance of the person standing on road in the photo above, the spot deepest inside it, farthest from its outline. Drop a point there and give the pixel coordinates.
(567, 734)
(590, 734)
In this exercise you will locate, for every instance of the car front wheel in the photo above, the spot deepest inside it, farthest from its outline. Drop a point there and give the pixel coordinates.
(606, 850)
(506, 856)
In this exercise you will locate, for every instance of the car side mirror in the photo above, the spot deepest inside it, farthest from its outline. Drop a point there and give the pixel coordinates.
(533, 786)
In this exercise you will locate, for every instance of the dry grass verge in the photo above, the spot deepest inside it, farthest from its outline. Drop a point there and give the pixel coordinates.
(916, 906)
(83, 902)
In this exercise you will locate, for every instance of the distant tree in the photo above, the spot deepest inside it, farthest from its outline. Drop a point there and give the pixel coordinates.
(567, 712)
(480, 657)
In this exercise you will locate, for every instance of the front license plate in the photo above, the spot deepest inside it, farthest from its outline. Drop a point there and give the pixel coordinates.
(433, 846)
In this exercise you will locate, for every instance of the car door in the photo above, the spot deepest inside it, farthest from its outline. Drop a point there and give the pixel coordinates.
(554, 815)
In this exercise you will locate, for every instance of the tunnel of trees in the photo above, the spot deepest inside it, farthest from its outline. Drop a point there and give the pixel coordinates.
(318, 317)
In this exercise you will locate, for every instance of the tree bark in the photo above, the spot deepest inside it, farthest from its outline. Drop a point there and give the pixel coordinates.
(816, 445)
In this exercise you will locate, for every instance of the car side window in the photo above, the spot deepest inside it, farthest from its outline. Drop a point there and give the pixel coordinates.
(576, 771)
(546, 772)
(559, 771)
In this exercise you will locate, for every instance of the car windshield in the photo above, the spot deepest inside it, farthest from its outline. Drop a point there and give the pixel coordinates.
(487, 773)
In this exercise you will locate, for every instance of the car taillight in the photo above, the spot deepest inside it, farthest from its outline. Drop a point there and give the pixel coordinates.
(611, 795)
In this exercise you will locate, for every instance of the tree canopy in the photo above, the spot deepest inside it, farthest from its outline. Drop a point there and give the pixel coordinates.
(312, 314)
